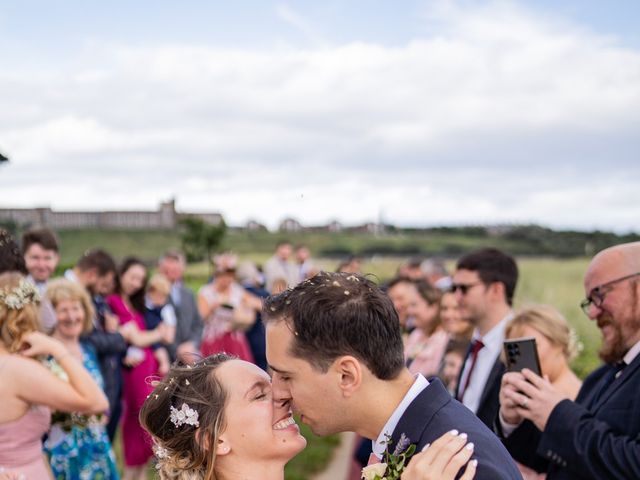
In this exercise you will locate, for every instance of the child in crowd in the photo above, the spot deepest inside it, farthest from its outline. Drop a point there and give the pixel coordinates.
(157, 310)
(452, 363)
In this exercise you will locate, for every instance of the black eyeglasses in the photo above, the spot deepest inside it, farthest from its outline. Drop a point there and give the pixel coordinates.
(464, 288)
(597, 294)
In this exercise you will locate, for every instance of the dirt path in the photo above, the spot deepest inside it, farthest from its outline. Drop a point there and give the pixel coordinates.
(338, 468)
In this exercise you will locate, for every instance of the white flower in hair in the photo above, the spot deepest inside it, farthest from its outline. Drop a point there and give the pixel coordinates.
(160, 452)
(184, 416)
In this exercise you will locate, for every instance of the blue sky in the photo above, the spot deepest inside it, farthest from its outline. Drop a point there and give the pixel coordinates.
(425, 112)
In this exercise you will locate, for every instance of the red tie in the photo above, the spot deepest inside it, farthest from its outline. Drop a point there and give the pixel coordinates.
(373, 459)
(475, 348)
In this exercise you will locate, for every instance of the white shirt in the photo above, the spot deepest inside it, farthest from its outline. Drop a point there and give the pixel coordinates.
(632, 354)
(380, 444)
(487, 357)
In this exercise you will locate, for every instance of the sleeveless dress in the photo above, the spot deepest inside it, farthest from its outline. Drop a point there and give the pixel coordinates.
(79, 452)
(21, 444)
(136, 441)
(218, 334)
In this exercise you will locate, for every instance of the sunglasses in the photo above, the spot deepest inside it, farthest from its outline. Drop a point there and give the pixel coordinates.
(597, 294)
(464, 288)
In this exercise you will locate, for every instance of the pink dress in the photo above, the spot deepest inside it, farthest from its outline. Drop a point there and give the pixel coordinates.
(135, 440)
(21, 444)
(423, 353)
(219, 334)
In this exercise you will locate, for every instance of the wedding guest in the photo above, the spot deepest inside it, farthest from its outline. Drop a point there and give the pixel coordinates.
(457, 327)
(40, 250)
(228, 310)
(128, 304)
(280, 266)
(77, 446)
(425, 345)
(353, 264)
(95, 271)
(25, 415)
(452, 364)
(250, 278)
(400, 290)
(595, 436)
(484, 283)
(556, 348)
(11, 259)
(186, 345)
(304, 264)
(158, 309)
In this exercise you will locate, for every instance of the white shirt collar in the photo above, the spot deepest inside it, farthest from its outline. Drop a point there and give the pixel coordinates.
(632, 354)
(380, 444)
(70, 275)
(496, 334)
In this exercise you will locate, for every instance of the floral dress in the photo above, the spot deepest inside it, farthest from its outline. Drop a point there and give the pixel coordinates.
(78, 446)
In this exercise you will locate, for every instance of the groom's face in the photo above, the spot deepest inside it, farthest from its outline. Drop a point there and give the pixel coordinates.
(314, 395)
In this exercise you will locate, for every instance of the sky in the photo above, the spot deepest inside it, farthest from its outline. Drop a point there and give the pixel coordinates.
(416, 113)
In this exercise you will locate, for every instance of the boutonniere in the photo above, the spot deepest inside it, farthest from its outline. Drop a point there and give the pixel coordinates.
(393, 463)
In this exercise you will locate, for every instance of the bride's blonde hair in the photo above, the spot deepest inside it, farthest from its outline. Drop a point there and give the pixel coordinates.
(19, 310)
(187, 452)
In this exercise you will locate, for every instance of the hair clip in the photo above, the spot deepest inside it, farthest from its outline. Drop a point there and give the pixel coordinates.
(160, 452)
(184, 416)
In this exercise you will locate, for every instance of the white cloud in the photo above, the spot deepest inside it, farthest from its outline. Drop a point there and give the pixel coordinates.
(499, 115)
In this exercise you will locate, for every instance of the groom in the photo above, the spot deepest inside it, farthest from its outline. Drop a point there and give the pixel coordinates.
(335, 348)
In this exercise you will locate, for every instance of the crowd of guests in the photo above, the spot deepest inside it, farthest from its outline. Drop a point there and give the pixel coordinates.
(104, 329)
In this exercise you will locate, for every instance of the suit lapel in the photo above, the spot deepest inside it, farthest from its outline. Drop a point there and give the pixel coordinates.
(420, 412)
(628, 372)
(496, 371)
(457, 392)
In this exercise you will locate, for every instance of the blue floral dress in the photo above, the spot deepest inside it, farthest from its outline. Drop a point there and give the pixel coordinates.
(78, 446)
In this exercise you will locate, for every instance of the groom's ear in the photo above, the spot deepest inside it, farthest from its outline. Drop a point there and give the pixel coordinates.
(349, 372)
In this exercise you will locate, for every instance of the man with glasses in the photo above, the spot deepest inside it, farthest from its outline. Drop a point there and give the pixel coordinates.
(484, 284)
(598, 435)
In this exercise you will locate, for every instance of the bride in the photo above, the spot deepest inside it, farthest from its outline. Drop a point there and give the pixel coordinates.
(216, 420)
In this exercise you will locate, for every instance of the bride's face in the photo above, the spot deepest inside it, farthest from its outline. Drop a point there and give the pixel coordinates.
(256, 428)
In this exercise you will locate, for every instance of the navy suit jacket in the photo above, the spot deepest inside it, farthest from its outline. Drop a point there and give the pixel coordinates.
(489, 401)
(590, 438)
(434, 412)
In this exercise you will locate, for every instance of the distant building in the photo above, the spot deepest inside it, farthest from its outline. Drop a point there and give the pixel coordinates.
(255, 226)
(290, 225)
(165, 218)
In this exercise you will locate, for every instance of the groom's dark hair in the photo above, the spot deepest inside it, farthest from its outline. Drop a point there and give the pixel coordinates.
(335, 314)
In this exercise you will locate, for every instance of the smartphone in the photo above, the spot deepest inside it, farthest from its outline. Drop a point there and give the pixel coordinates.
(522, 353)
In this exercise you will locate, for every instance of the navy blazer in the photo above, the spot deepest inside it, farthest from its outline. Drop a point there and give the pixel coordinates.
(434, 412)
(489, 401)
(590, 438)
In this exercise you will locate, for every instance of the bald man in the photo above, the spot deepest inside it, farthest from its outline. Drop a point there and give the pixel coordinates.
(598, 435)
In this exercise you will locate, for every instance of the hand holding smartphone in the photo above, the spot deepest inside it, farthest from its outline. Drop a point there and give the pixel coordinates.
(522, 353)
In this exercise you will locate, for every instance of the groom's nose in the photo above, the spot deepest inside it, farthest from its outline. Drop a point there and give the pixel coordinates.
(280, 391)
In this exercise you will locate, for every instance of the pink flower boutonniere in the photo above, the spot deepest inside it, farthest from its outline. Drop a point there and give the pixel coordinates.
(394, 463)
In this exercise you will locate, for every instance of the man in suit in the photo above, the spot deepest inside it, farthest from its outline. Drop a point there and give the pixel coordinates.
(335, 347)
(484, 284)
(598, 435)
(186, 346)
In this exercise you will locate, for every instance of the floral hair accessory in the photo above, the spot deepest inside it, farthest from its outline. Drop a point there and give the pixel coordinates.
(185, 416)
(160, 452)
(19, 297)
